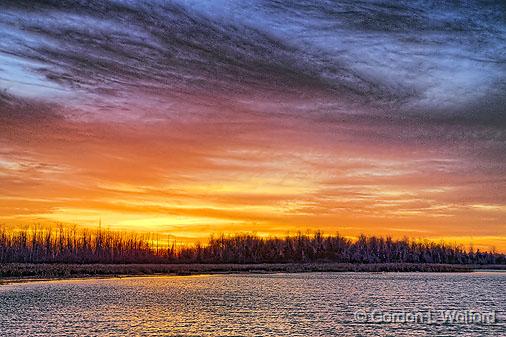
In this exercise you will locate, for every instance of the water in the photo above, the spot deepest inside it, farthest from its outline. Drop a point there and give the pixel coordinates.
(314, 304)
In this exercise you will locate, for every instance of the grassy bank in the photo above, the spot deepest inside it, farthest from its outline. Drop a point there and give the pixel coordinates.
(26, 270)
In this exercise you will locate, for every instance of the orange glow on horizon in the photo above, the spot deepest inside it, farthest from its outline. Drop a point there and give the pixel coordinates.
(144, 182)
(190, 118)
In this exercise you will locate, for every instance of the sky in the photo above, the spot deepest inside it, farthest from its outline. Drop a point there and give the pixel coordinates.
(195, 117)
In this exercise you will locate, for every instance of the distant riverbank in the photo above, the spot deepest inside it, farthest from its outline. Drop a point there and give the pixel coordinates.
(20, 271)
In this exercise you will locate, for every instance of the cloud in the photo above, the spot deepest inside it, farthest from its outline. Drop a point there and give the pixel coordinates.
(398, 60)
(292, 112)
(163, 48)
(15, 110)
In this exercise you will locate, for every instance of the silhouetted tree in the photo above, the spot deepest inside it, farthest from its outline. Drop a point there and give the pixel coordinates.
(72, 245)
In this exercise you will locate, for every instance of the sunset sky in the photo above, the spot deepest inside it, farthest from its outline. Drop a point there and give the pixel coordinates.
(196, 117)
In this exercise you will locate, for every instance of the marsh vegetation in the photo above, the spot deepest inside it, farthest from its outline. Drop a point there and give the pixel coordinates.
(73, 245)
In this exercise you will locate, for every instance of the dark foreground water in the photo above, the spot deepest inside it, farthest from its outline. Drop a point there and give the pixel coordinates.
(315, 304)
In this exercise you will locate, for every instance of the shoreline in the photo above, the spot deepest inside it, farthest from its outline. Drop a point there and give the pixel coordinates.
(26, 272)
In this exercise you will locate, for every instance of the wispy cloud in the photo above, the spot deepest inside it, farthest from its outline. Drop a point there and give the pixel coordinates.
(370, 114)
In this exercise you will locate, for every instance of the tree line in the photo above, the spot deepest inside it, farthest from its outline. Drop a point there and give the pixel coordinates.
(80, 245)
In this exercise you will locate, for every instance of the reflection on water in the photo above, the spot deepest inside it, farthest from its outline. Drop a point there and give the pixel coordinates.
(316, 304)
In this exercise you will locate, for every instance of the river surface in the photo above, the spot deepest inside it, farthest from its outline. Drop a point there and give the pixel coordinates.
(312, 304)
